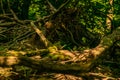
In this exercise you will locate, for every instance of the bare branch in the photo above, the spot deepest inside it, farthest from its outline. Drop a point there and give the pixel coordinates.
(7, 24)
(14, 15)
(63, 5)
(41, 35)
(53, 9)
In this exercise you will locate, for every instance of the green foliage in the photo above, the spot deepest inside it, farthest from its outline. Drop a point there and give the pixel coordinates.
(116, 13)
(78, 26)
(38, 8)
(90, 15)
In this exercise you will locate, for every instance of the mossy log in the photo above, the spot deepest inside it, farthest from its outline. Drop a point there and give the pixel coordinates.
(82, 63)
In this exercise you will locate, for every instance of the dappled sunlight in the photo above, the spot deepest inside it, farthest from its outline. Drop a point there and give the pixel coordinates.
(16, 53)
(5, 72)
(59, 40)
(8, 60)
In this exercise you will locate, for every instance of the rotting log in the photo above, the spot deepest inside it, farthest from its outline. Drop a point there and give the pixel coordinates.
(83, 62)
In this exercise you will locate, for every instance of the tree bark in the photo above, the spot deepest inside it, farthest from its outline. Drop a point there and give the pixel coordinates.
(82, 63)
(109, 19)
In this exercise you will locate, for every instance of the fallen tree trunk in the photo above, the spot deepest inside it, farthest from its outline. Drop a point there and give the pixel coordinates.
(82, 63)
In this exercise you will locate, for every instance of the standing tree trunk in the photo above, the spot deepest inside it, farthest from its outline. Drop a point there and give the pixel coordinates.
(109, 19)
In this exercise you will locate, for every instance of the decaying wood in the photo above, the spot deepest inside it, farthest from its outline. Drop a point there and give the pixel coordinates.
(41, 35)
(84, 62)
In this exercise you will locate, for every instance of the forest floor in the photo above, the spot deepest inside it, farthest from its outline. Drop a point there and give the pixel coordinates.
(108, 69)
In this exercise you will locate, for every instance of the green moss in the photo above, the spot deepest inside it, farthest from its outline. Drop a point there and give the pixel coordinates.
(55, 57)
(107, 41)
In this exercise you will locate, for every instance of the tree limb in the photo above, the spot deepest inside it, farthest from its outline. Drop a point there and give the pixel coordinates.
(41, 35)
(53, 9)
(84, 62)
